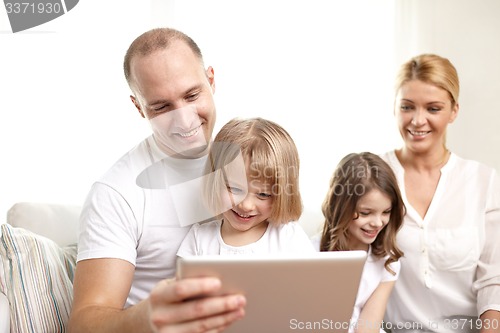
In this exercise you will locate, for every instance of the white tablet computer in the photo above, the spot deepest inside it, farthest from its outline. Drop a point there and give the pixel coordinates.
(313, 293)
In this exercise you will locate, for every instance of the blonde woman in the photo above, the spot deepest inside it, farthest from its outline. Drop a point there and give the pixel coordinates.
(450, 274)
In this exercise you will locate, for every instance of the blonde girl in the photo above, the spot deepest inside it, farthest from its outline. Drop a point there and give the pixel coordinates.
(252, 185)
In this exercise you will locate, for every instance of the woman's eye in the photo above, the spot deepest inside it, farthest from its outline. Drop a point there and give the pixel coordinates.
(406, 107)
(434, 109)
(263, 195)
(364, 213)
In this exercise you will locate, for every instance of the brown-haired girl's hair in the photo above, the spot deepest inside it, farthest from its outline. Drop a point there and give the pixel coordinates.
(270, 156)
(356, 175)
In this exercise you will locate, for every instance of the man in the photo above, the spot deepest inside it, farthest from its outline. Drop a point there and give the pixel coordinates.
(130, 231)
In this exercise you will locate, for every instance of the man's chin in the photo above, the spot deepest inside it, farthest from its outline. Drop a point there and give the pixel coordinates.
(192, 152)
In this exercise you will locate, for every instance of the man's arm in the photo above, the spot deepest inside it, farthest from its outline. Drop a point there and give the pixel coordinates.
(490, 321)
(101, 287)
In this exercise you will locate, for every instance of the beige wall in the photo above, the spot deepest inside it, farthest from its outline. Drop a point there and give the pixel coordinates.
(468, 33)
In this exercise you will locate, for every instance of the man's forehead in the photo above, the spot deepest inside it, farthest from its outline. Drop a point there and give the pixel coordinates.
(161, 73)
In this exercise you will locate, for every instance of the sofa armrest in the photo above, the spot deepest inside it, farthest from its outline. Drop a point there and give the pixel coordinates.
(312, 222)
(57, 222)
(4, 314)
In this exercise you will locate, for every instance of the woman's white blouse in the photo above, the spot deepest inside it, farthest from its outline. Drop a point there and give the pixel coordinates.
(451, 263)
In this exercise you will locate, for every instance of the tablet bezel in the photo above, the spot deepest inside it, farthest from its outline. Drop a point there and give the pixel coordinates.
(315, 292)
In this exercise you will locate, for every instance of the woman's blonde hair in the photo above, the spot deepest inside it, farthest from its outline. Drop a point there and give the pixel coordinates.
(270, 156)
(431, 69)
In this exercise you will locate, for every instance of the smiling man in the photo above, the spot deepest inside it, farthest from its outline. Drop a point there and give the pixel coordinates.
(129, 234)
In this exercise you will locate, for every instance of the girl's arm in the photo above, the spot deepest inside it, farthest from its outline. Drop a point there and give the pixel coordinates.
(372, 314)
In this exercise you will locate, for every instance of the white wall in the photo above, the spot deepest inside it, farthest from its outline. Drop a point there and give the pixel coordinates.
(65, 111)
(467, 32)
(323, 69)
(318, 68)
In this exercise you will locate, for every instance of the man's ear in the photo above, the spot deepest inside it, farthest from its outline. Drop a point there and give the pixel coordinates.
(137, 105)
(210, 76)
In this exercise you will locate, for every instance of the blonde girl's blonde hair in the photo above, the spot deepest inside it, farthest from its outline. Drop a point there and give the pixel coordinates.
(431, 69)
(270, 156)
(355, 176)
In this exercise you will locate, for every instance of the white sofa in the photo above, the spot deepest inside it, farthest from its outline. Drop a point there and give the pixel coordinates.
(54, 228)
(45, 232)
(4, 314)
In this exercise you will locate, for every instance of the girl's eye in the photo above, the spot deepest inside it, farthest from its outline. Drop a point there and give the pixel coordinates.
(406, 107)
(364, 213)
(263, 195)
(387, 212)
(434, 109)
(234, 190)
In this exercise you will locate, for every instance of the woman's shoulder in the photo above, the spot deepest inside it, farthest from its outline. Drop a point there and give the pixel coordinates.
(390, 158)
(468, 161)
(465, 165)
(388, 154)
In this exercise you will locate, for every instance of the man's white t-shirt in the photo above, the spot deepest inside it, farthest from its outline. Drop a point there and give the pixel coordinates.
(130, 214)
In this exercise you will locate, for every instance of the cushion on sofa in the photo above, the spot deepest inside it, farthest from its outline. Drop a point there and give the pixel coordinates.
(37, 280)
(56, 221)
(312, 221)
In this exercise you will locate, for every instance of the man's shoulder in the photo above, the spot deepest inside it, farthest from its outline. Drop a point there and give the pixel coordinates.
(130, 164)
